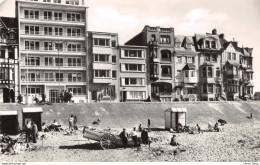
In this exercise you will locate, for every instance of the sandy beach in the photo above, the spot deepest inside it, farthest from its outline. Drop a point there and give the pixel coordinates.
(236, 143)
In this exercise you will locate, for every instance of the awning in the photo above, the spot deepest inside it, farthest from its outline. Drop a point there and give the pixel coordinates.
(8, 113)
(176, 110)
(211, 81)
(32, 109)
(189, 86)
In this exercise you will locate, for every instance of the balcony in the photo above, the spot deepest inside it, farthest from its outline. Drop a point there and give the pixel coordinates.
(53, 65)
(154, 77)
(102, 80)
(153, 44)
(102, 66)
(54, 35)
(52, 50)
(51, 80)
(165, 94)
(166, 60)
(218, 79)
(166, 76)
(190, 79)
(232, 76)
(57, 2)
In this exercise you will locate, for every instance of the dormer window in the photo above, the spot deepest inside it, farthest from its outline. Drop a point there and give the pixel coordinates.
(12, 36)
(213, 44)
(207, 44)
(188, 45)
(177, 45)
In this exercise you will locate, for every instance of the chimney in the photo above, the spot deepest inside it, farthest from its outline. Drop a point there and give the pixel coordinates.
(222, 36)
(235, 43)
(233, 39)
(214, 31)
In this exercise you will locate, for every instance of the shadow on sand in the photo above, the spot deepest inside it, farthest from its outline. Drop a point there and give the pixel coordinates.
(89, 146)
(158, 129)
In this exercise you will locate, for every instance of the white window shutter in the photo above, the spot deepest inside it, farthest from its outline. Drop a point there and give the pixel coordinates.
(143, 55)
(122, 53)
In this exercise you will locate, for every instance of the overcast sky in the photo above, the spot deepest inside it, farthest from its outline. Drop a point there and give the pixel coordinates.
(238, 19)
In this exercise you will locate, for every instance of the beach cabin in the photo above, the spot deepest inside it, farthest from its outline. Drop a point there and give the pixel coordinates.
(173, 116)
(32, 114)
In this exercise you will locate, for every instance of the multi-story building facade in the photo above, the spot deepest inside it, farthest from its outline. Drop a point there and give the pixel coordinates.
(103, 57)
(237, 70)
(210, 80)
(52, 38)
(134, 81)
(185, 69)
(160, 65)
(9, 80)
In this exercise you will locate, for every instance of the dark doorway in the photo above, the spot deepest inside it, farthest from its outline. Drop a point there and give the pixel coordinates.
(9, 124)
(36, 117)
(6, 95)
(124, 96)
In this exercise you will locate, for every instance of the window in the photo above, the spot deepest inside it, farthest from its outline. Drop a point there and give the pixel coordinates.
(213, 44)
(46, 0)
(207, 57)
(207, 44)
(210, 88)
(76, 90)
(74, 62)
(58, 46)
(114, 74)
(234, 56)
(133, 67)
(48, 61)
(132, 81)
(136, 95)
(209, 71)
(58, 61)
(32, 45)
(72, 2)
(188, 45)
(214, 57)
(57, 16)
(102, 73)
(72, 17)
(101, 58)
(204, 72)
(47, 31)
(31, 14)
(113, 44)
(166, 55)
(166, 71)
(48, 46)
(204, 88)
(31, 30)
(58, 31)
(218, 73)
(33, 90)
(133, 53)
(229, 56)
(178, 59)
(33, 77)
(114, 59)
(47, 15)
(74, 77)
(101, 42)
(177, 45)
(193, 73)
(178, 74)
(49, 76)
(56, 1)
(2, 53)
(3, 73)
(59, 77)
(186, 73)
(32, 61)
(165, 39)
(73, 47)
(189, 59)
(71, 32)
(154, 69)
(12, 35)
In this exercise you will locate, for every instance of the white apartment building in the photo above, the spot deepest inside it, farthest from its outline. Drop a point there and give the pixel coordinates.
(52, 37)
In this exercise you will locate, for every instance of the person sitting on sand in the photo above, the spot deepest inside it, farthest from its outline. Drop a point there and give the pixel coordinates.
(140, 128)
(216, 128)
(179, 128)
(173, 141)
(198, 128)
(54, 126)
(44, 127)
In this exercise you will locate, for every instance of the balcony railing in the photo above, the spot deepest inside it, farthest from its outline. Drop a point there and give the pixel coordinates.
(167, 75)
(218, 79)
(55, 19)
(54, 80)
(69, 65)
(166, 60)
(153, 43)
(165, 94)
(52, 34)
(231, 76)
(53, 49)
(67, 2)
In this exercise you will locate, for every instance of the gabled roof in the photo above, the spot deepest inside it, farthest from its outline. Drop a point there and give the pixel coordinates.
(136, 40)
(234, 63)
(187, 40)
(10, 23)
(177, 39)
(189, 67)
(245, 53)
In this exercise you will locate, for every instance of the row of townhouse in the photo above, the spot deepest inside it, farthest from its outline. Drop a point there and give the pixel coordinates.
(57, 53)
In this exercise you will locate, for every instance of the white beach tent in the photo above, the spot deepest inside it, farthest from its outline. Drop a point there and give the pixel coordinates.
(173, 116)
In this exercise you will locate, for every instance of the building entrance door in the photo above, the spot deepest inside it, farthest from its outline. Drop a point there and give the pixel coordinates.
(54, 96)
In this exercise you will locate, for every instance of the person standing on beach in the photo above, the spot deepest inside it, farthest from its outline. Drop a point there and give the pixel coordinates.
(71, 121)
(124, 135)
(34, 132)
(75, 120)
(148, 124)
(28, 129)
(134, 136)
